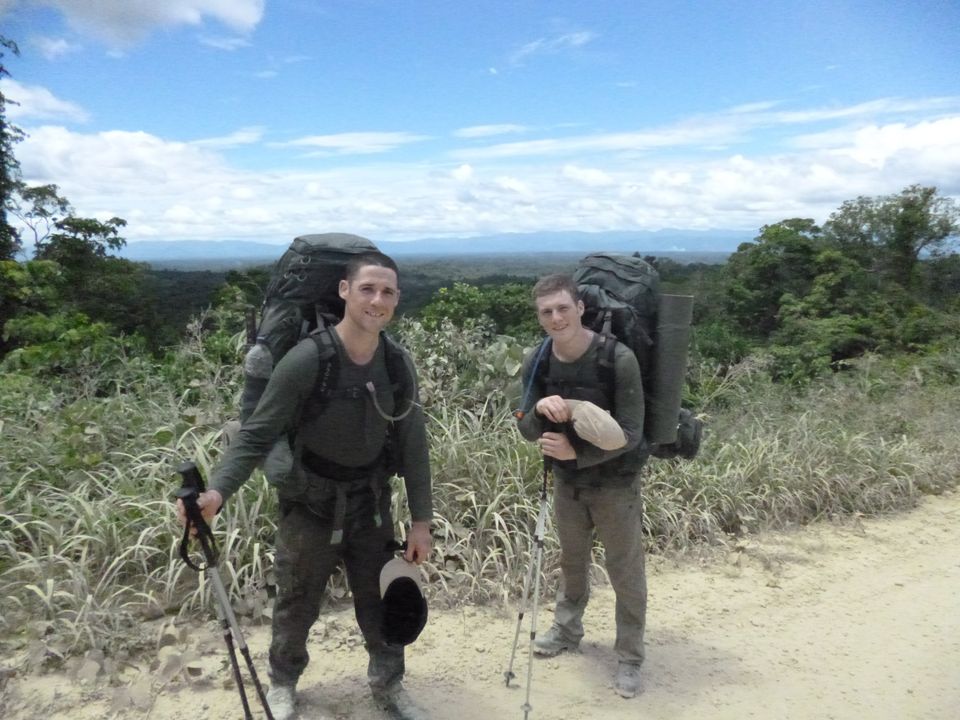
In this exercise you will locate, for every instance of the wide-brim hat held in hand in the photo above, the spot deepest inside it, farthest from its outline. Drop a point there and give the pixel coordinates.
(404, 606)
(596, 426)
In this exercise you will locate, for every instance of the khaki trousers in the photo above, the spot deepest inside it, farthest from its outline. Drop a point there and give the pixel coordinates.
(617, 516)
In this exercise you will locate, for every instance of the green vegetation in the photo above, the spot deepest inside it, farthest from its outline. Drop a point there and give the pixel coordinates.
(87, 459)
(826, 364)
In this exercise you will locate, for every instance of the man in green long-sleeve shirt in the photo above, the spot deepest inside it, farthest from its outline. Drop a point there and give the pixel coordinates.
(335, 500)
(594, 488)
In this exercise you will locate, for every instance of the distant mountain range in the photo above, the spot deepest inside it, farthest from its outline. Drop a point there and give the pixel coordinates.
(236, 252)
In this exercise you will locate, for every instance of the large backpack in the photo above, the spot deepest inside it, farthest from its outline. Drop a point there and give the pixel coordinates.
(623, 303)
(302, 300)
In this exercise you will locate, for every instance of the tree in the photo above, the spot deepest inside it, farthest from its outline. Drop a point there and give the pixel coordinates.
(38, 208)
(889, 234)
(9, 167)
(508, 306)
(759, 274)
(78, 242)
(104, 288)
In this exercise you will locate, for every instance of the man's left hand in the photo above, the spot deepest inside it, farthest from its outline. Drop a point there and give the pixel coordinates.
(418, 542)
(556, 446)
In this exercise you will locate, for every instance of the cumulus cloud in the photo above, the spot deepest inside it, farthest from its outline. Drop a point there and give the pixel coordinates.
(462, 173)
(33, 102)
(590, 177)
(169, 189)
(126, 21)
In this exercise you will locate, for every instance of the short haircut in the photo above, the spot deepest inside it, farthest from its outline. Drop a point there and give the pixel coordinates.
(377, 259)
(558, 282)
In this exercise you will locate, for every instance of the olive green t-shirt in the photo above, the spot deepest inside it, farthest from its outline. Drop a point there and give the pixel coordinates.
(349, 431)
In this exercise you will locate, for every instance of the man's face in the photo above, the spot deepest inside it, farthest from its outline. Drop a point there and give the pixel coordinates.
(559, 315)
(371, 297)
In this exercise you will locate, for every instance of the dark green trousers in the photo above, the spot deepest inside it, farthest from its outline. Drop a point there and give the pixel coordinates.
(305, 559)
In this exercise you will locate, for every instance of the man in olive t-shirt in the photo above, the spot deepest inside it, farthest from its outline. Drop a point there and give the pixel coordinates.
(335, 504)
(595, 489)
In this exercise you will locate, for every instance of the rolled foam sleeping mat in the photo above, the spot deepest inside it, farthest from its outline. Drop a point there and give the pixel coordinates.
(669, 367)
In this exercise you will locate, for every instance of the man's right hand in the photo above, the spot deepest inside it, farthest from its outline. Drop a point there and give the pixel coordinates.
(209, 503)
(554, 408)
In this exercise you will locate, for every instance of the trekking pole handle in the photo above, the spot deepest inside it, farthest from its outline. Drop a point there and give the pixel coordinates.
(192, 479)
(188, 493)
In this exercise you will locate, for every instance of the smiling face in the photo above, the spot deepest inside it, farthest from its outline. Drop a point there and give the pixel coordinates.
(559, 315)
(371, 298)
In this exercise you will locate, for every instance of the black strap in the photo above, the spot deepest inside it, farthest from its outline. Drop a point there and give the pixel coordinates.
(319, 465)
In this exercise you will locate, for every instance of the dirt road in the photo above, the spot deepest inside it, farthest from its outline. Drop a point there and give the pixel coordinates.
(837, 622)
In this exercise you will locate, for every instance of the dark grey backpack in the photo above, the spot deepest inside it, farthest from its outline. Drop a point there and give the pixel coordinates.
(302, 296)
(622, 301)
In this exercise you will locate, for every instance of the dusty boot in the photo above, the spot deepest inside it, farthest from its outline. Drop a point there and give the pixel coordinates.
(282, 700)
(553, 642)
(395, 701)
(627, 681)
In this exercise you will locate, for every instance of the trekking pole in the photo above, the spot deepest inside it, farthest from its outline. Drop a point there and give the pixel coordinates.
(533, 575)
(189, 492)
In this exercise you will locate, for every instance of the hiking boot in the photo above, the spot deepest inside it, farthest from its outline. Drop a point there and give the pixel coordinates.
(627, 682)
(282, 699)
(395, 701)
(553, 642)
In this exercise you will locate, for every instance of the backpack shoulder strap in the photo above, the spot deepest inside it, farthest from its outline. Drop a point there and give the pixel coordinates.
(536, 373)
(328, 371)
(607, 368)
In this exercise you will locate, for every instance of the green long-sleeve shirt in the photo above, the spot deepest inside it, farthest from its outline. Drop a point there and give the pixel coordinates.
(593, 463)
(349, 431)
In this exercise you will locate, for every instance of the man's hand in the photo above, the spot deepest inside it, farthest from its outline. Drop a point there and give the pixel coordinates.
(556, 446)
(209, 503)
(418, 542)
(554, 408)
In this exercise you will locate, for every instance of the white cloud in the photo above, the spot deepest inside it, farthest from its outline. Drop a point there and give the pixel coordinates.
(479, 131)
(552, 45)
(463, 173)
(244, 136)
(356, 143)
(590, 177)
(711, 131)
(512, 184)
(224, 43)
(126, 21)
(38, 103)
(188, 190)
(53, 48)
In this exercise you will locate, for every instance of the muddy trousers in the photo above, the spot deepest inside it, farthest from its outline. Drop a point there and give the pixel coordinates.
(305, 560)
(617, 516)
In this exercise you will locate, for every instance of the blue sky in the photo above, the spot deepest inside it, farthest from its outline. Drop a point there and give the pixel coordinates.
(265, 119)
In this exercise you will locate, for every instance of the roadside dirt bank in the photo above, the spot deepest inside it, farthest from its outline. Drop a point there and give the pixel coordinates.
(859, 620)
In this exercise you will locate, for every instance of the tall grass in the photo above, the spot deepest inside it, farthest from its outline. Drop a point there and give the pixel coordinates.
(89, 547)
